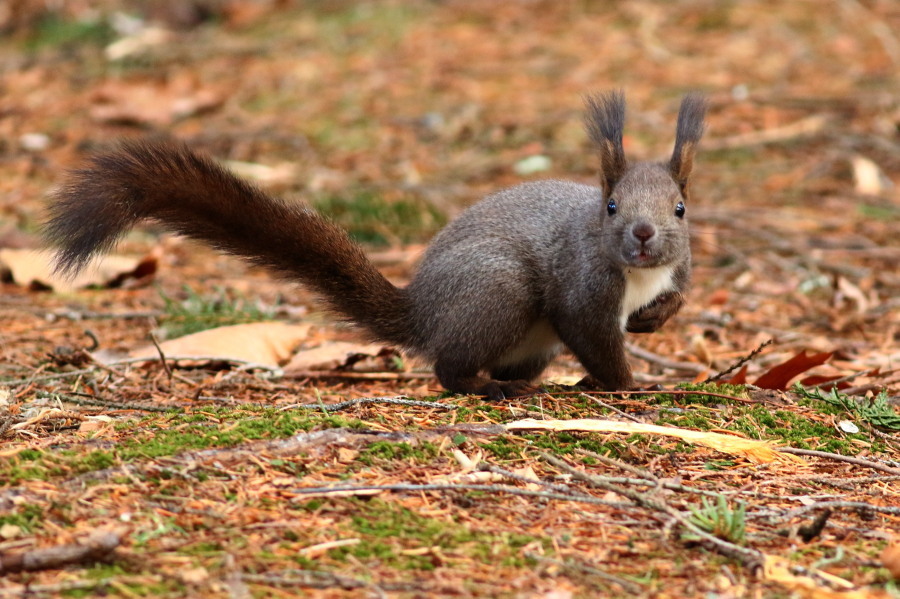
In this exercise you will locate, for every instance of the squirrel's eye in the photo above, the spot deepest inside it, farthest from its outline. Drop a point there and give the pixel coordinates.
(679, 210)
(611, 207)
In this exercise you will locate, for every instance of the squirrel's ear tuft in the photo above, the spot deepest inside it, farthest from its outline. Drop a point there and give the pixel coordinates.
(688, 132)
(605, 121)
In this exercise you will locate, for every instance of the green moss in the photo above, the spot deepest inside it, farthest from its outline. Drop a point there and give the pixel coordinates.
(370, 217)
(151, 438)
(385, 450)
(196, 312)
(53, 31)
(388, 531)
(27, 517)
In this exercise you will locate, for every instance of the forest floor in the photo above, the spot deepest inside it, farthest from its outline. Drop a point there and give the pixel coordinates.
(130, 477)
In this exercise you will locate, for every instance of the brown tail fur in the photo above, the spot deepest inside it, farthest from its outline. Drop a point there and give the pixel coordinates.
(192, 195)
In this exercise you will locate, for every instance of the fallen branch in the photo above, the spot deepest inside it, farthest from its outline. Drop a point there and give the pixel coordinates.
(807, 127)
(343, 490)
(751, 558)
(398, 401)
(740, 362)
(364, 376)
(841, 458)
(649, 356)
(95, 548)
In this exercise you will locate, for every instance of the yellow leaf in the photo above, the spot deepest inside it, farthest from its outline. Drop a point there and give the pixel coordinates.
(756, 451)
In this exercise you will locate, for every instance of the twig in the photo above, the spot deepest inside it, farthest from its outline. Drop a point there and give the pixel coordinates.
(310, 579)
(365, 376)
(243, 364)
(579, 497)
(740, 362)
(842, 505)
(316, 579)
(614, 409)
(628, 586)
(640, 472)
(659, 360)
(162, 356)
(35, 590)
(49, 377)
(749, 557)
(399, 401)
(806, 127)
(842, 458)
(488, 467)
(680, 392)
(83, 399)
(94, 548)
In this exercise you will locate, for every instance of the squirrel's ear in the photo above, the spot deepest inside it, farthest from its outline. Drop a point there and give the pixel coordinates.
(688, 132)
(605, 120)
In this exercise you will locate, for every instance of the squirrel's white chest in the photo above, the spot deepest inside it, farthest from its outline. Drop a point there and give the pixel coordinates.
(642, 285)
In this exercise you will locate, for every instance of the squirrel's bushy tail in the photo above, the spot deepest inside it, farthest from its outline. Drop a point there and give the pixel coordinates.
(192, 195)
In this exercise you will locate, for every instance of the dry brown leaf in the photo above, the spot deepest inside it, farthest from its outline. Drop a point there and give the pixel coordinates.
(812, 582)
(329, 355)
(265, 343)
(758, 452)
(34, 269)
(868, 177)
(162, 103)
(890, 559)
(779, 376)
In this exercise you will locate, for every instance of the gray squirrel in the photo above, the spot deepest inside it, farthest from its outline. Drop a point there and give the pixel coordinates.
(500, 291)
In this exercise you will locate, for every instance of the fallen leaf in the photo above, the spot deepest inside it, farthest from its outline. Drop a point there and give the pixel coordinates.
(152, 103)
(329, 355)
(194, 576)
(779, 376)
(739, 378)
(758, 452)
(265, 343)
(34, 269)
(868, 176)
(890, 559)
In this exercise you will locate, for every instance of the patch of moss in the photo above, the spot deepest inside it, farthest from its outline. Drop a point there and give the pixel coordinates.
(502, 448)
(370, 217)
(197, 312)
(27, 517)
(389, 531)
(177, 433)
(386, 450)
(54, 31)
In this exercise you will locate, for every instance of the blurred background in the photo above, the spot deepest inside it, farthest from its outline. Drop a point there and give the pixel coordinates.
(393, 116)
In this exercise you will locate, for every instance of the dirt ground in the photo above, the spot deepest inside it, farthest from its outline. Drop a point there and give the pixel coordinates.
(126, 478)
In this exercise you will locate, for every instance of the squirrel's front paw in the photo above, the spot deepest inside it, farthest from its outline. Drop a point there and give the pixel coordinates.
(652, 316)
(594, 384)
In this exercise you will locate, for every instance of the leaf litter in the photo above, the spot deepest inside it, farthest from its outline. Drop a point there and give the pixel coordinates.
(212, 481)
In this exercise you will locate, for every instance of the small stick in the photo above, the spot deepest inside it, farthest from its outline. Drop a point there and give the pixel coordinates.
(400, 400)
(94, 548)
(740, 362)
(603, 404)
(162, 356)
(842, 458)
(659, 360)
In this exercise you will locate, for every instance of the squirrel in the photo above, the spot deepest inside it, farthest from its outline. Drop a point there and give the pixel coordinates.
(500, 291)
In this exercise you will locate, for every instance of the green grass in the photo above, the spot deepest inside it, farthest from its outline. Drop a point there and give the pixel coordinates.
(371, 218)
(385, 450)
(388, 531)
(53, 31)
(197, 312)
(180, 433)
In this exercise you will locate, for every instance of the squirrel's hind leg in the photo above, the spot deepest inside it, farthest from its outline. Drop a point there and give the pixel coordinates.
(527, 370)
(465, 379)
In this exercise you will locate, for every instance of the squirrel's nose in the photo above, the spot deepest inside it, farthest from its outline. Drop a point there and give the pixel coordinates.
(643, 232)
